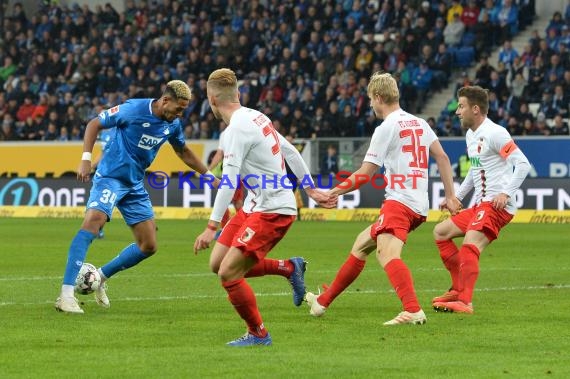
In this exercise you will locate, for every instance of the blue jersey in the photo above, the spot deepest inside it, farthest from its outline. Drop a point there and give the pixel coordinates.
(105, 137)
(138, 137)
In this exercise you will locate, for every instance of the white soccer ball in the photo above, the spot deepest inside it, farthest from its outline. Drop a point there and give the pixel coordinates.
(88, 279)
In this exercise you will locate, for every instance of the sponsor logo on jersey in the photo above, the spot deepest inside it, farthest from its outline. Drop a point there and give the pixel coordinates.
(166, 131)
(475, 162)
(114, 110)
(146, 124)
(148, 142)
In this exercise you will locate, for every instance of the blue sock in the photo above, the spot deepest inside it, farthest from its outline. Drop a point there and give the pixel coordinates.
(130, 256)
(76, 255)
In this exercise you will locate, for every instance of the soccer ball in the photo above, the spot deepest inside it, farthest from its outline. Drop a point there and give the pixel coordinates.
(88, 279)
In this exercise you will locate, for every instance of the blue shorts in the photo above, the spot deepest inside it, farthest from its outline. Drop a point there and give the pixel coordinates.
(133, 202)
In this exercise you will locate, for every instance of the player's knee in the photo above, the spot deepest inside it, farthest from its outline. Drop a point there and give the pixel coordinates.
(215, 267)
(440, 232)
(148, 248)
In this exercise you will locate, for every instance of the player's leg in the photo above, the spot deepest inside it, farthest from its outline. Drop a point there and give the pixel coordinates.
(137, 212)
(231, 273)
(481, 231)
(292, 269)
(391, 232)
(257, 236)
(348, 272)
(93, 221)
(443, 234)
(389, 256)
(102, 197)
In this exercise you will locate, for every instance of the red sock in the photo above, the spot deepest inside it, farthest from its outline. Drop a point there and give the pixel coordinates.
(401, 280)
(243, 299)
(468, 271)
(349, 271)
(225, 218)
(449, 255)
(266, 266)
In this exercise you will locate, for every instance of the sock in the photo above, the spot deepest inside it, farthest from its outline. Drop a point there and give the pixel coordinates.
(242, 298)
(271, 267)
(401, 280)
(76, 255)
(468, 271)
(130, 256)
(347, 273)
(449, 255)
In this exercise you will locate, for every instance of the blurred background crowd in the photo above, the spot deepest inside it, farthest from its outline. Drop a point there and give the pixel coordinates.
(306, 63)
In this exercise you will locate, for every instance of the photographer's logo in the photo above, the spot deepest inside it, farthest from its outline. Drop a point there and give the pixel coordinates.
(148, 142)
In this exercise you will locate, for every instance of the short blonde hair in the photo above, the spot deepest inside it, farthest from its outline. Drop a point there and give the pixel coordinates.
(223, 84)
(384, 85)
(178, 90)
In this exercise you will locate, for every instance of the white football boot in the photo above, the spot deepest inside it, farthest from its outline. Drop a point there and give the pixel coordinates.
(68, 304)
(316, 310)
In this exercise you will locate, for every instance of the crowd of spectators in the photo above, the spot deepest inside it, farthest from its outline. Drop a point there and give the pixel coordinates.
(529, 90)
(306, 63)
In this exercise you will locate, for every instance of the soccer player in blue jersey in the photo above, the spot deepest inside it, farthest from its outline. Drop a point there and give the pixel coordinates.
(142, 126)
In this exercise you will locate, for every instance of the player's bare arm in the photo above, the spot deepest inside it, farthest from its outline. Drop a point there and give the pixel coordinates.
(91, 131)
(452, 203)
(356, 179)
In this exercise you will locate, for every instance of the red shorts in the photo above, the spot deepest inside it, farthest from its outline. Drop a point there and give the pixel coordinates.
(484, 218)
(396, 219)
(255, 234)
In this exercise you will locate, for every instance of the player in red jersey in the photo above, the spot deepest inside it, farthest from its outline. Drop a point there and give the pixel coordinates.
(401, 144)
(254, 151)
(493, 154)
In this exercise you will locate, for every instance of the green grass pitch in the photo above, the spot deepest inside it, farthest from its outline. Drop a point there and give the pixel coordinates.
(169, 316)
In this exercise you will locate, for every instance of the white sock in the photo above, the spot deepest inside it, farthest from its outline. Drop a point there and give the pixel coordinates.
(67, 290)
(103, 277)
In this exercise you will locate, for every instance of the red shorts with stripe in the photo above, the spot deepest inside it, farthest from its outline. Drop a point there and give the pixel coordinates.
(396, 219)
(255, 234)
(484, 218)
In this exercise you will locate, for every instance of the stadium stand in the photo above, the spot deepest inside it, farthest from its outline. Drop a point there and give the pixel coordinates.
(298, 60)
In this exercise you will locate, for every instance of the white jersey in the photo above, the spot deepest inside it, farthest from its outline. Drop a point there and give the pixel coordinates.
(401, 144)
(252, 145)
(488, 148)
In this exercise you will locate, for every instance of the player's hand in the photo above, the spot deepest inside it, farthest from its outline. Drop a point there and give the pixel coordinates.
(84, 171)
(204, 240)
(452, 204)
(500, 201)
(324, 199)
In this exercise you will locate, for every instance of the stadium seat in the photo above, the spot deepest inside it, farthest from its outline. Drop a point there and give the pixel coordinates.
(468, 39)
(533, 108)
(464, 56)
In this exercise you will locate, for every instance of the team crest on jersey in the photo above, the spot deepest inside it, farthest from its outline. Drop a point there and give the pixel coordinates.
(480, 215)
(114, 110)
(480, 145)
(148, 142)
(246, 236)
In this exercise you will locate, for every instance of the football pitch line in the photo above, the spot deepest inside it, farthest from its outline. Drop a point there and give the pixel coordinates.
(279, 294)
(209, 274)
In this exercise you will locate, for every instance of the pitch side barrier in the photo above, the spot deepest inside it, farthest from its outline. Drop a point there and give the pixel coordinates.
(539, 200)
(548, 155)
